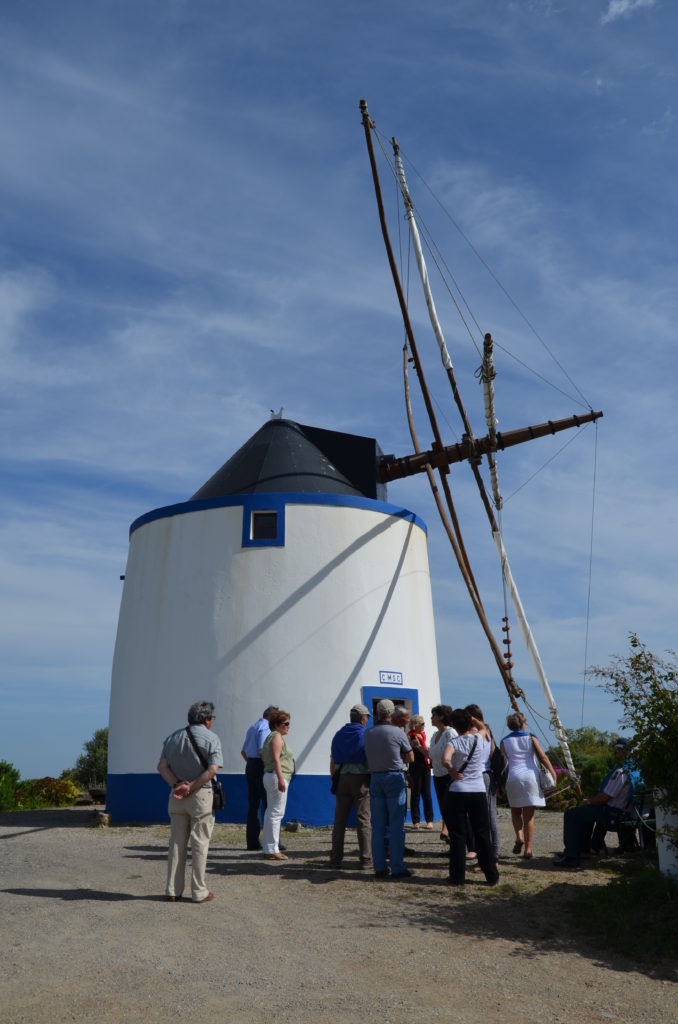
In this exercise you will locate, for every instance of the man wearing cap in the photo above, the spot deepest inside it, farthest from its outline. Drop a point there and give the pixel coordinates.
(349, 761)
(387, 747)
(254, 773)
(615, 794)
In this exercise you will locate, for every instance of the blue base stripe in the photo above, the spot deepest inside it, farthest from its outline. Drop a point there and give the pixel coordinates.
(144, 798)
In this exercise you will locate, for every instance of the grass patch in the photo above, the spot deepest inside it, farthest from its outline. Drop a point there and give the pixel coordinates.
(634, 914)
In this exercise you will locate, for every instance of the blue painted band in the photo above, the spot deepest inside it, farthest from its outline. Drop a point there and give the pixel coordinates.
(276, 500)
(144, 798)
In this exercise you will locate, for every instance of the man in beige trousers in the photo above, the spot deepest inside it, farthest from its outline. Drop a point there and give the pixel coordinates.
(190, 804)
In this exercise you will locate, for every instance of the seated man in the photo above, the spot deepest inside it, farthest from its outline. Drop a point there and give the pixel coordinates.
(615, 795)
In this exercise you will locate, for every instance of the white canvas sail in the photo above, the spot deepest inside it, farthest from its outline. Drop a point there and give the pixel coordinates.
(525, 630)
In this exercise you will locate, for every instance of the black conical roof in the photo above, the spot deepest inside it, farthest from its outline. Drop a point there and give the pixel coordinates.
(290, 457)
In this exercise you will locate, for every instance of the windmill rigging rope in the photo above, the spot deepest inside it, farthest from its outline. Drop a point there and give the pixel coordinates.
(588, 595)
(431, 246)
(498, 283)
(433, 250)
(581, 400)
(548, 461)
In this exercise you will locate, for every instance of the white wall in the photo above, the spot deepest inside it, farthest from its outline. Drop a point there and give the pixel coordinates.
(304, 626)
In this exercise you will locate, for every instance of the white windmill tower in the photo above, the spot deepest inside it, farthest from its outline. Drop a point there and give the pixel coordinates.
(286, 579)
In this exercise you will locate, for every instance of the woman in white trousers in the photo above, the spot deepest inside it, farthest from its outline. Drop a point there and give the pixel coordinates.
(278, 771)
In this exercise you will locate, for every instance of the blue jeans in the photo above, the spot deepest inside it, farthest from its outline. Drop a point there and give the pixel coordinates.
(388, 808)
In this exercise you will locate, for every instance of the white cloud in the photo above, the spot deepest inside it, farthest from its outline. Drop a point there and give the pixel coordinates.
(23, 292)
(624, 9)
(661, 125)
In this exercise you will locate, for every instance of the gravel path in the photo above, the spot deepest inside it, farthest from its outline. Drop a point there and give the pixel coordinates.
(88, 935)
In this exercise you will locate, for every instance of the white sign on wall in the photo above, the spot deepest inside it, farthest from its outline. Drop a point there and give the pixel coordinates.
(391, 678)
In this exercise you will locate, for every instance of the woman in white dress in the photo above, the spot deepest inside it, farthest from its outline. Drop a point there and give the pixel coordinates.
(522, 785)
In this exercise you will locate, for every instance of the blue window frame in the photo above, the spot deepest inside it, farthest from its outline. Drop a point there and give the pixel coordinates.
(398, 694)
(263, 521)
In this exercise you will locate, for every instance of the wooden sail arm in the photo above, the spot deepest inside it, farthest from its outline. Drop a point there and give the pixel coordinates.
(394, 468)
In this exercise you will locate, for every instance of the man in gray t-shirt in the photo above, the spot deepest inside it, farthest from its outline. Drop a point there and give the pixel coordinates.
(387, 747)
(190, 805)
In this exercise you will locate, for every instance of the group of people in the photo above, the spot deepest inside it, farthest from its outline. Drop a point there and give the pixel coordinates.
(371, 769)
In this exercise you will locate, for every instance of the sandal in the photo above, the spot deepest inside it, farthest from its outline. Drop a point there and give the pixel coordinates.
(517, 846)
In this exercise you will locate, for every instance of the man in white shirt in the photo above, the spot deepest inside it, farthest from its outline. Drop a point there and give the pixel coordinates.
(254, 773)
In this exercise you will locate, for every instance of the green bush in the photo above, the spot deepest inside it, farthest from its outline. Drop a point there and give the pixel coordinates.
(32, 794)
(9, 780)
(592, 755)
(91, 767)
(565, 795)
(646, 687)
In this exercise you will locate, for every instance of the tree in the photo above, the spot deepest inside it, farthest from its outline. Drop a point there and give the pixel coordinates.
(592, 755)
(9, 780)
(92, 766)
(646, 687)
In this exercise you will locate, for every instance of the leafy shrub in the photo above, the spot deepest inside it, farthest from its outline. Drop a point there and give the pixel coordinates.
(646, 687)
(592, 755)
(565, 795)
(32, 794)
(92, 766)
(9, 780)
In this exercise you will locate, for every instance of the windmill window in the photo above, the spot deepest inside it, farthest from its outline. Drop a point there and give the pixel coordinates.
(264, 526)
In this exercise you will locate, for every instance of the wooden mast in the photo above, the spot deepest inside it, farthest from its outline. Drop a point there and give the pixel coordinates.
(394, 468)
(474, 457)
(455, 539)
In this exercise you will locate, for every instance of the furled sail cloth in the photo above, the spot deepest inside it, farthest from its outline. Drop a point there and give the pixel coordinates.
(525, 630)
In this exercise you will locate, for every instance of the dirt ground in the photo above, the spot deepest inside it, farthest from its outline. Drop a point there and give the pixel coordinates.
(88, 935)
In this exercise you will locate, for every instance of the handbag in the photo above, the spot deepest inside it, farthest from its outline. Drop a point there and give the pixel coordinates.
(546, 784)
(218, 795)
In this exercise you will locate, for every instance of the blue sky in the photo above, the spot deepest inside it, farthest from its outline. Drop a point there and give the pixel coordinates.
(189, 238)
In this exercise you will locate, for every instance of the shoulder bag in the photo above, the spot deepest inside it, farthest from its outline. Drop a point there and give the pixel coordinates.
(499, 766)
(471, 753)
(546, 784)
(218, 796)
